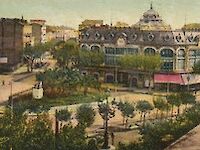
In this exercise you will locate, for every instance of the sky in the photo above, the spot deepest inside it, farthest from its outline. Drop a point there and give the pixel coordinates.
(73, 12)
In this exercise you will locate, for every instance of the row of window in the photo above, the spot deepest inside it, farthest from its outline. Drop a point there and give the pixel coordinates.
(121, 51)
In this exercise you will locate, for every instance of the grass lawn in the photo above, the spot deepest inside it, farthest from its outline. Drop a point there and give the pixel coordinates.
(73, 99)
(27, 102)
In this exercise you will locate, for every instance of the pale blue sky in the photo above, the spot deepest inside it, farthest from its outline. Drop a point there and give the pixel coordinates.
(72, 12)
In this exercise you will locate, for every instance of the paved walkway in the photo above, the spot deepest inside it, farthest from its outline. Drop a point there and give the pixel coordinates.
(190, 141)
(6, 91)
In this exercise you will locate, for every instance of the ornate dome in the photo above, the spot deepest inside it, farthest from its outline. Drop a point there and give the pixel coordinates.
(151, 20)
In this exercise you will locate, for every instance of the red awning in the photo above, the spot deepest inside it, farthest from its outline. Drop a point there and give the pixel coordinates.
(168, 78)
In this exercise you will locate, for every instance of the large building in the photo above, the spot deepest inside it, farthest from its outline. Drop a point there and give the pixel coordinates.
(88, 23)
(11, 43)
(39, 31)
(61, 33)
(179, 49)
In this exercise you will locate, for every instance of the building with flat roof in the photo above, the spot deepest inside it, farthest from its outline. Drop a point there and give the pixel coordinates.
(11, 43)
(88, 23)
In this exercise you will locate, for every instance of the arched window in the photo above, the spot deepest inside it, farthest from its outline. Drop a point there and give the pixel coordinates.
(194, 57)
(166, 53)
(84, 46)
(181, 59)
(95, 48)
(149, 51)
(167, 58)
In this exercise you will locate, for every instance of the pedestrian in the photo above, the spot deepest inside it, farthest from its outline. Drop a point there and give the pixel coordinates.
(3, 82)
(112, 137)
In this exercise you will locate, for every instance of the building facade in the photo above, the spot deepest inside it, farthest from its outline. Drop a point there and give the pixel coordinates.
(39, 31)
(11, 43)
(179, 49)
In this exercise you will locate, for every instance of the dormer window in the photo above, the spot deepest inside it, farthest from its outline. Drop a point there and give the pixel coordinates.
(134, 36)
(178, 38)
(167, 37)
(150, 37)
(191, 38)
(111, 35)
(97, 35)
(87, 34)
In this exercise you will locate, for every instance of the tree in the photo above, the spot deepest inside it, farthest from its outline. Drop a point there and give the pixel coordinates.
(187, 98)
(60, 82)
(31, 53)
(85, 115)
(89, 81)
(12, 126)
(106, 111)
(144, 63)
(90, 58)
(161, 105)
(127, 111)
(63, 115)
(144, 107)
(177, 102)
(171, 100)
(72, 138)
(196, 68)
(67, 54)
(38, 134)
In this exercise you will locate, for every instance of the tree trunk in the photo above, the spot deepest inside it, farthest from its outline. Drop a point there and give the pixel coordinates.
(178, 110)
(172, 111)
(144, 119)
(149, 82)
(85, 90)
(141, 117)
(126, 124)
(123, 119)
(157, 114)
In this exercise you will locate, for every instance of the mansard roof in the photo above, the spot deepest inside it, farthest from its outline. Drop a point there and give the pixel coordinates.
(135, 36)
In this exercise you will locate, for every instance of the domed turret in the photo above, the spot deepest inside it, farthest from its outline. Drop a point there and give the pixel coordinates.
(151, 20)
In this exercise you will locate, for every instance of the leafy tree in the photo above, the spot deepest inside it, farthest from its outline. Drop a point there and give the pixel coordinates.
(171, 100)
(161, 105)
(144, 107)
(66, 54)
(106, 110)
(127, 111)
(59, 82)
(72, 138)
(145, 63)
(187, 98)
(12, 126)
(90, 58)
(196, 68)
(31, 53)
(85, 115)
(89, 81)
(38, 134)
(63, 115)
